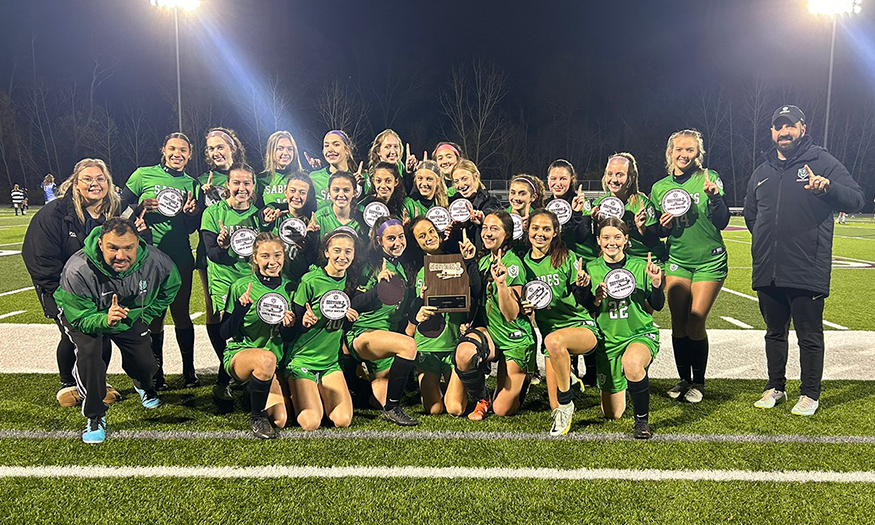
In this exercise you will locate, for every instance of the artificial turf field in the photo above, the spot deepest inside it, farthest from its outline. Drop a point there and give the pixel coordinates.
(719, 461)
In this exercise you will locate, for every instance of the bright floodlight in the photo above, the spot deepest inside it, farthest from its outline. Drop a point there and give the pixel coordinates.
(187, 5)
(834, 7)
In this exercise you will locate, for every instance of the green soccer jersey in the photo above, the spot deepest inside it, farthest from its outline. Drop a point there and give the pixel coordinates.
(169, 229)
(256, 333)
(449, 337)
(506, 335)
(385, 316)
(272, 187)
(563, 311)
(219, 191)
(221, 276)
(621, 319)
(317, 347)
(328, 222)
(297, 261)
(638, 248)
(694, 240)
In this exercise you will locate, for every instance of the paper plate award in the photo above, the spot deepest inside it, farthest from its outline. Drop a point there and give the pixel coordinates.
(440, 216)
(677, 202)
(292, 230)
(169, 202)
(538, 293)
(621, 283)
(459, 210)
(242, 241)
(271, 307)
(446, 281)
(334, 304)
(561, 209)
(374, 211)
(611, 207)
(517, 226)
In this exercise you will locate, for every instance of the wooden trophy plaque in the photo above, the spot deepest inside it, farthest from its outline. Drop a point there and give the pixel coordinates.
(446, 281)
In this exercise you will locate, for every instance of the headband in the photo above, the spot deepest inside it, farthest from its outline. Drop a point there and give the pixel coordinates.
(224, 136)
(390, 222)
(342, 230)
(340, 134)
(528, 181)
(442, 146)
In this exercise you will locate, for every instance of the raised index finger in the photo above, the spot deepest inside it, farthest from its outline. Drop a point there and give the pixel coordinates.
(649, 260)
(114, 300)
(408, 150)
(210, 179)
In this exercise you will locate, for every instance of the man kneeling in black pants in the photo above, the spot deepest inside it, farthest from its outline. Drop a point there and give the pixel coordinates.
(112, 288)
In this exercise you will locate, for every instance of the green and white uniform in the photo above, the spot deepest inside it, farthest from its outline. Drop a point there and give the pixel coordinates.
(563, 311)
(297, 261)
(272, 187)
(515, 338)
(638, 248)
(695, 246)
(435, 354)
(216, 194)
(320, 184)
(622, 322)
(315, 352)
(328, 222)
(220, 276)
(255, 333)
(169, 234)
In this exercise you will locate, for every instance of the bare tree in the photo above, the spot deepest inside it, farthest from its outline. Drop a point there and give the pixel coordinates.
(134, 131)
(395, 90)
(341, 107)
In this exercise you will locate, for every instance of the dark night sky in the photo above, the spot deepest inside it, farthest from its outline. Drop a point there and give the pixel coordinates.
(612, 54)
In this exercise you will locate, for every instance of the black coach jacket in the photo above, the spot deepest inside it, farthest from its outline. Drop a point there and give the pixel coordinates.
(791, 228)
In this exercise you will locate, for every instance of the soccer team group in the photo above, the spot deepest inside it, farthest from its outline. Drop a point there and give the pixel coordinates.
(315, 282)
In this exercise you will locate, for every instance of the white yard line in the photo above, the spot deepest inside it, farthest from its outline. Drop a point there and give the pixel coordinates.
(16, 291)
(11, 243)
(834, 325)
(10, 314)
(273, 472)
(736, 322)
(752, 298)
(196, 315)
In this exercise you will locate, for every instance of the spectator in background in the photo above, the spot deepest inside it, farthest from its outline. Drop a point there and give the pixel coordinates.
(18, 199)
(48, 186)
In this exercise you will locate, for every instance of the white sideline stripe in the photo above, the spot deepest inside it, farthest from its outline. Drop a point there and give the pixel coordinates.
(268, 472)
(752, 298)
(10, 314)
(736, 322)
(16, 291)
(12, 243)
(196, 315)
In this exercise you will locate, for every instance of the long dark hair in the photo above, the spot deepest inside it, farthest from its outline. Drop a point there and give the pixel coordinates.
(376, 253)
(355, 268)
(558, 250)
(175, 135)
(506, 225)
(310, 204)
(567, 166)
(396, 200)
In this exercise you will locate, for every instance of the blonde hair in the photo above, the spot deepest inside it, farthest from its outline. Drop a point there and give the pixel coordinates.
(270, 165)
(111, 203)
(440, 193)
(700, 144)
(631, 185)
(469, 166)
(374, 152)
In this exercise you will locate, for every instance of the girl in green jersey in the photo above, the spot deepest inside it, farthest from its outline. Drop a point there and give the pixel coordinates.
(631, 338)
(258, 321)
(171, 223)
(525, 194)
(223, 152)
(434, 354)
(387, 148)
(338, 152)
(502, 332)
(342, 212)
(300, 203)
(281, 161)
(430, 186)
(566, 328)
(387, 187)
(697, 260)
(315, 379)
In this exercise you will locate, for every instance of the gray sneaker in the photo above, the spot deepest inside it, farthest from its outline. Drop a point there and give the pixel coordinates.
(695, 393)
(562, 419)
(771, 397)
(806, 406)
(679, 389)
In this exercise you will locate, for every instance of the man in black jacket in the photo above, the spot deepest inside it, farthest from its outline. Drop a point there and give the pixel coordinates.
(789, 212)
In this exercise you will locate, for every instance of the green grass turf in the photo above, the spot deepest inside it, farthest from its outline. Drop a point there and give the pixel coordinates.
(425, 501)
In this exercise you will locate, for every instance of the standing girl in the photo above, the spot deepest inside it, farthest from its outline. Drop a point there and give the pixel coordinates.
(281, 161)
(338, 151)
(447, 155)
(293, 221)
(697, 260)
(387, 187)
(48, 186)
(342, 212)
(430, 186)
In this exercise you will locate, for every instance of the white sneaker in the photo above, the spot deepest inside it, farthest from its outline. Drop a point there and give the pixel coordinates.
(562, 419)
(679, 389)
(771, 397)
(806, 406)
(695, 394)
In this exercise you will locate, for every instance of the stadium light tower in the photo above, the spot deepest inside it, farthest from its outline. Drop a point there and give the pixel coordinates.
(833, 8)
(176, 5)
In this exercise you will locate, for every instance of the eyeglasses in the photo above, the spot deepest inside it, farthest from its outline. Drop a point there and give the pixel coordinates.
(88, 181)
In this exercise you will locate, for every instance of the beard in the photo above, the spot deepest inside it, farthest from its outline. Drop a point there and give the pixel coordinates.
(789, 148)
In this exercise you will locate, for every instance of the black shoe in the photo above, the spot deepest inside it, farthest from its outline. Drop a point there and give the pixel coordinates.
(160, 381)
(398, 416)
(262, 428)
(641, 429)
(191, 381)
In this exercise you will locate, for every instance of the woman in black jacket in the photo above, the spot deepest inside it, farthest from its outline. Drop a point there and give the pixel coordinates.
(57, 231)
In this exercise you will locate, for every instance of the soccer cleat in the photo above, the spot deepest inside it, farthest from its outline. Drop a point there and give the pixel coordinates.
(771, 397)
(641, 428)
(480, 410)
(261, 427)
(577, 383)
(805, 407)
(398, 416)
(68, 395)
(679, 389)
(112, 395)
(95, 430)
(695, 393)
(191, 381)
(562, 419)
(149, 398)
(535, 377)
(222, 392)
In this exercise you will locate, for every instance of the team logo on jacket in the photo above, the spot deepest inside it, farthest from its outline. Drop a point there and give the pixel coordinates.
(143, 286)
(802, 174)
